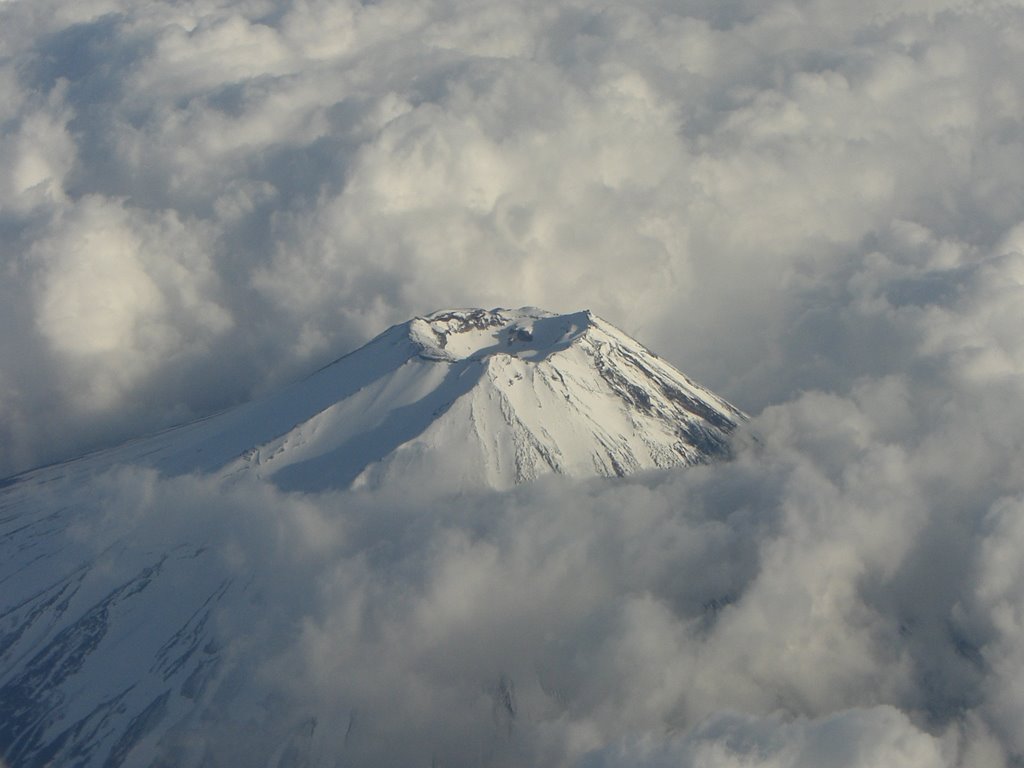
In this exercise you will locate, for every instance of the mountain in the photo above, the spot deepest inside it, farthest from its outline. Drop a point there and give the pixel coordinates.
(119, 631)
(460, 398)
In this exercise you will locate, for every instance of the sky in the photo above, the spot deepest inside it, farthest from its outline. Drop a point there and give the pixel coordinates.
(813, 208)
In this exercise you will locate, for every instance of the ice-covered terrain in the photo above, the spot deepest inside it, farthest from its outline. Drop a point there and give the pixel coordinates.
(496, 398)
(458, 398)
(121, 632)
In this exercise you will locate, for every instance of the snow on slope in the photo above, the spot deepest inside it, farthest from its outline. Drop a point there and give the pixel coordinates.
(459, 398)
(500, 397)
(568, 394)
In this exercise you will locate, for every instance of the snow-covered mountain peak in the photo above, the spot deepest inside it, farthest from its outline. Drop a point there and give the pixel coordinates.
(456, 399)
(528, 333)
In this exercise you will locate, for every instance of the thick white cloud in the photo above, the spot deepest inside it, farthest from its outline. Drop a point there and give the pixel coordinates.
(813, 207)
(704, 175)
(879, 736)
(825, 599)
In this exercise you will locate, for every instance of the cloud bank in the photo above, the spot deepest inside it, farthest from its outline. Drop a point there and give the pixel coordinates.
(205, 201)
(813, 208)
(828, 598)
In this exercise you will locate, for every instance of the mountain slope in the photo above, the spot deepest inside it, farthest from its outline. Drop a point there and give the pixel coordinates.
(464, 398)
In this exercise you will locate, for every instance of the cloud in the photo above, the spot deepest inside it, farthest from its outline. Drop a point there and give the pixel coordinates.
(879, 736)
(108, 287)
(343, 167)
(822, 599)
(812, 207)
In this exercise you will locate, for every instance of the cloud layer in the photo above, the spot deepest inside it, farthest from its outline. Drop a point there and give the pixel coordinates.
(828, 598)
(204, 201)
(813, 208)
